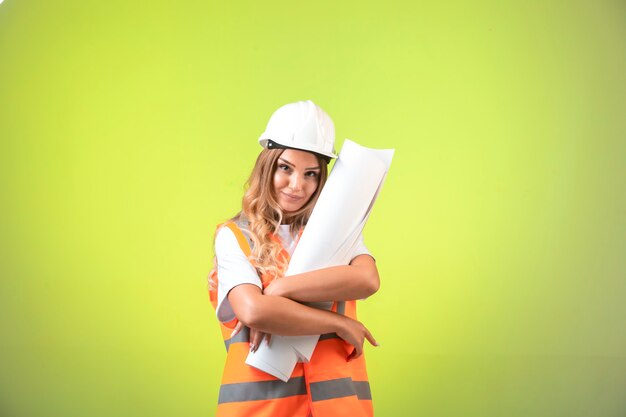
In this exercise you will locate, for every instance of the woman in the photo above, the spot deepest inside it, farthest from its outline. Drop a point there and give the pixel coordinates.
(254, 300)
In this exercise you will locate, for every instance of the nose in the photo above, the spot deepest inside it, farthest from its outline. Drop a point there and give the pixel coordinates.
(295, 183)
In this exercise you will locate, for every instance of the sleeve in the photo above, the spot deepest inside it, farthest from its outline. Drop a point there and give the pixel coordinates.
(233, 268)
(360, 248)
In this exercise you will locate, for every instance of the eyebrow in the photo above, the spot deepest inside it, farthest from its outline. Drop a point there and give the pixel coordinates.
(290, 164)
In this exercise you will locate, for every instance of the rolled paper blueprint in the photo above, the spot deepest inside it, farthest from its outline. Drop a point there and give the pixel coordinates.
(329, 238)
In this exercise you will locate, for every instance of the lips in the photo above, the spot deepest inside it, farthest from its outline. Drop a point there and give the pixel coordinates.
(292, 197)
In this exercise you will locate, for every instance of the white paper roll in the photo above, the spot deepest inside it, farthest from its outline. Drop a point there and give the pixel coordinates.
(328, 240)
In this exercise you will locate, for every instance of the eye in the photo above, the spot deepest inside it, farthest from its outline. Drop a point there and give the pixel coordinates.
(312, 174)
(283, 167)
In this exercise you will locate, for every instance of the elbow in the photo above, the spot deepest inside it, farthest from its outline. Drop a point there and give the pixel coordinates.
(252, 313)
(369, 282)
(372, 284)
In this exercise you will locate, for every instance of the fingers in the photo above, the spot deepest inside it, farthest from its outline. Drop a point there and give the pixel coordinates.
(255, 339)
(356, 352)
(370, 338)
(252, 336)
(236, 329)
(358, 347)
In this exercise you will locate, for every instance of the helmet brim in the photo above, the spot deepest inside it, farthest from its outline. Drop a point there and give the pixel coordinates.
(274, 144)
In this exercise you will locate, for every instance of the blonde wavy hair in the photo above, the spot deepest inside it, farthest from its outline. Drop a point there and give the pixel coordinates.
(261, 209)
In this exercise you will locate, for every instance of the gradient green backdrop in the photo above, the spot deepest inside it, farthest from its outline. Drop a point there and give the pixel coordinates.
(128, 129)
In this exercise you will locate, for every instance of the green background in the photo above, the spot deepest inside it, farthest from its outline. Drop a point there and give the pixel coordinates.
(128, 129)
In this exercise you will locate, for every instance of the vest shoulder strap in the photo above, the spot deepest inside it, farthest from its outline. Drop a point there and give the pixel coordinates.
(243, 241)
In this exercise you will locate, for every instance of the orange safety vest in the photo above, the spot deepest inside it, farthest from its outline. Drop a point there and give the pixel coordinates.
(327, 386)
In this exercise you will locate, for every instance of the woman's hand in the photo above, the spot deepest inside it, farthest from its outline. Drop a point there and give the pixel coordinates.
(274, 288)
(355, 333)
(256, 336)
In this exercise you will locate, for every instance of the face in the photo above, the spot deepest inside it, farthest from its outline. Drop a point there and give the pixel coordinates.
(296, 178)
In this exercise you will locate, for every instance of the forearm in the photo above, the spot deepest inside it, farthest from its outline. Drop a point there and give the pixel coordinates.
(282, 316)
(338, 283)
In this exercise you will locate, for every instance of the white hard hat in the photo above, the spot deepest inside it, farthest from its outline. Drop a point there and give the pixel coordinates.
(301, 125)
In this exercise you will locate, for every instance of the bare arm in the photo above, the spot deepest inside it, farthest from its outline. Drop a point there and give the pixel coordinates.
(282, 316)
(338, 283)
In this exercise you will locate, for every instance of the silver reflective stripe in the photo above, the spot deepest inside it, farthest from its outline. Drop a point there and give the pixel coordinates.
(338, 388)
(242, 336)
(363, 390)
(341, 307)
(261, 390)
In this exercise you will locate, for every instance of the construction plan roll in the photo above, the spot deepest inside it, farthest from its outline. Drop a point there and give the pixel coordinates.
(329, 239)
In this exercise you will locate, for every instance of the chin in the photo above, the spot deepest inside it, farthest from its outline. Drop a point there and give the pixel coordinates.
(290, 208)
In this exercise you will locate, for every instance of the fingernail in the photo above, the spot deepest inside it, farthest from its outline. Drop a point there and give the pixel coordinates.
(251, 347)
(234, 333)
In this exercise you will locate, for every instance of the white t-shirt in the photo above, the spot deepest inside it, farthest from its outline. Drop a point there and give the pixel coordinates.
(234, 268)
